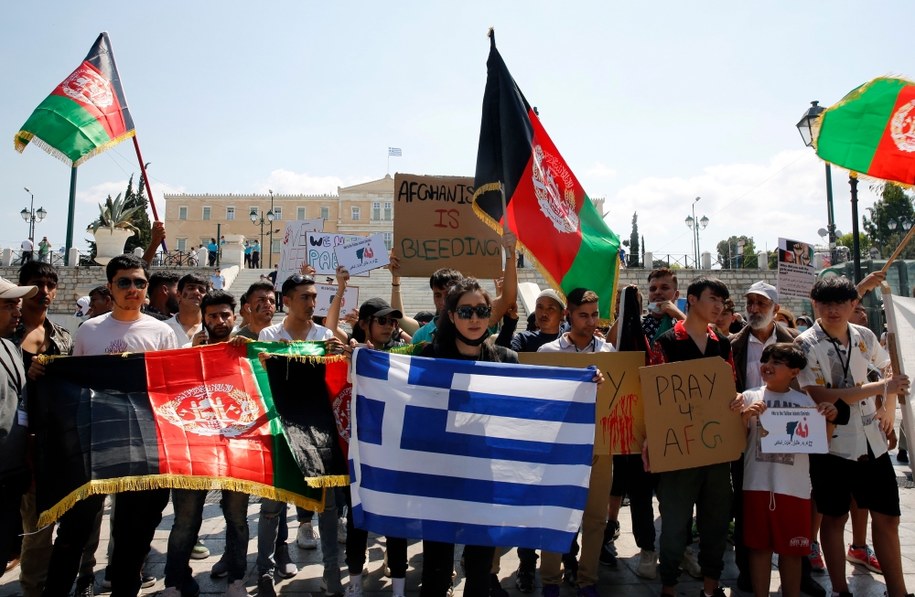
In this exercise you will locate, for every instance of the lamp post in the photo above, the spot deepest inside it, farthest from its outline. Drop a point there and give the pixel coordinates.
(741, 243)
(696, 225)
(260, 219)
(270, 216)
(805, 128)
(31, 216)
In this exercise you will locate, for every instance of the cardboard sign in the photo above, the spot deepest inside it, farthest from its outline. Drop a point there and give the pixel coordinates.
(796, 273)
(620, 425)
(326, 294)
(687, 415)
(793, 431)
(435, 227)
(363, 255)
(293, 251)
(321, 253)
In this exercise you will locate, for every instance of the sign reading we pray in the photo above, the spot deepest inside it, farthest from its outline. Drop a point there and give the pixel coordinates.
(687, 414)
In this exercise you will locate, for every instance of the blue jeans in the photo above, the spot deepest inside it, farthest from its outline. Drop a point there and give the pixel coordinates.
(268, 530)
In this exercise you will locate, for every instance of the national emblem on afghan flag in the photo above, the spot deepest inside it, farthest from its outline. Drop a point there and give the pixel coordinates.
(84, 115)
(211, 417)
(544, 205)
(872, 130)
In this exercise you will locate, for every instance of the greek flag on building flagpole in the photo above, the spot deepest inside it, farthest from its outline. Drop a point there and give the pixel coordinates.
(470, 452)
(394, 152)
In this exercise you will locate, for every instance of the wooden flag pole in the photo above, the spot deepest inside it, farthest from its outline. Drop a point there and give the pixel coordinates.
(905, 241)
(136, 146)
(908, 420)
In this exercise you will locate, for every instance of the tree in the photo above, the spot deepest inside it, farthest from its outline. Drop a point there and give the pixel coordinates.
(890, 218)
(634, 242)
(139, 218)
(729, 256)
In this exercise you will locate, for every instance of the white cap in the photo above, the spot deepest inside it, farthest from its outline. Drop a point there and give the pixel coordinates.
(8, 290)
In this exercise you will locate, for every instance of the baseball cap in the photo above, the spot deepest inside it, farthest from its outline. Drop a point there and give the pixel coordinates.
(378, 307)
(8, 290)
(767, 290)
(552, 294)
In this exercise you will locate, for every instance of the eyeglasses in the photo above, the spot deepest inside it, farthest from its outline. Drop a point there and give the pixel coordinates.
(385, 320)
(466, 311)
(138, 283)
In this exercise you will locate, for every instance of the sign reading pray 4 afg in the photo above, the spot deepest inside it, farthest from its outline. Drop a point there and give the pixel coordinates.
(687, 415)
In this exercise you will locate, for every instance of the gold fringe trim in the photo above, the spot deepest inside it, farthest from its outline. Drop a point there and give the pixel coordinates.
(23, 138)
(304, 358)
(146, 482)
(328, 481)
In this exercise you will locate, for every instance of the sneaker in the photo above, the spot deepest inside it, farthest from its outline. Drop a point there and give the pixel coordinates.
(608, 554)
(200, 552)
(690, 564)
(864, 556)
(306, 537)
(170, 592)
(816, 558)
(236, 588)
(495, 587)
(353, 590)
(86, 591)
(221, 568)
(718, 592)
(285, 567)
(264, 586)
(341, 530)
(902, 456)
(615, 526)
(648, 564)
(588, 591)
(550, 591)
(524, 580)
(147, 580)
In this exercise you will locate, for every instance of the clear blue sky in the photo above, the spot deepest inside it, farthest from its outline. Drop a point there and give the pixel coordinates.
(651, 104)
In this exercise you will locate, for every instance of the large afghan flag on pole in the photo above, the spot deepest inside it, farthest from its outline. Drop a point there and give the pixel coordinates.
(84, 115)
(872, 130)
(544, 204)
(211, 417)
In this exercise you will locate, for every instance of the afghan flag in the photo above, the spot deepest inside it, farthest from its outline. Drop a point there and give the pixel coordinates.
(84, 115)
(872, 131)
(544, 204)
(197, 418)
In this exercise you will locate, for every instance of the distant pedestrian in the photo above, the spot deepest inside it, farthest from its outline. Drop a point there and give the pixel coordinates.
(28, 247)
(44, 250)
(213, 250)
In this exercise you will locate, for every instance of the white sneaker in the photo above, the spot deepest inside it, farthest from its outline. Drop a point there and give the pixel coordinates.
(306, 537)
(341, 530)
(648, 564)
(236, 588)
(353, 590)
(690, 564)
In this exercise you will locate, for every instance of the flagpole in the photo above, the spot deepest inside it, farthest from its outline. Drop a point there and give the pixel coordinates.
(136, 146)
(71, 211)
(892, 331)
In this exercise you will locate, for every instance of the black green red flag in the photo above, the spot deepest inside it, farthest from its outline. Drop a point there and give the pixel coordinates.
(85, 114)
(544, 204)
(211, 417)
(872, 130)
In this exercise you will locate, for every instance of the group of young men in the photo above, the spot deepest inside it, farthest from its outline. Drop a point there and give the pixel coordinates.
(770, 499)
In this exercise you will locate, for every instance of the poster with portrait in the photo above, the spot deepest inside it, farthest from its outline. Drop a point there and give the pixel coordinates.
(796, 272)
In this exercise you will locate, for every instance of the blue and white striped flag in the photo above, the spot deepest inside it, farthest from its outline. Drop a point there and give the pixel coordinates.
(395, 152)
(470, 452)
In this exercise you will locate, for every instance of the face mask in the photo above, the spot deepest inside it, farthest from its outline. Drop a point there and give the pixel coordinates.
(801, 328)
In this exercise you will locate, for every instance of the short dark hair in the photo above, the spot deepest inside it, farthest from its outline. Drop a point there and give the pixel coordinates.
(581, 296)
(662, 272)
(217, 297)
(158, 279)
(255, 287)
(837, 289)
(729, 306)
(102, 290)
(444, 278)
(36, 269)
(785, 352)
(123, 262)
(296, 280)
(192, 279)
(698, 285)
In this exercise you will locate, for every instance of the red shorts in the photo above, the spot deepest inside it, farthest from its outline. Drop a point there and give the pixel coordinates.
(776, 522)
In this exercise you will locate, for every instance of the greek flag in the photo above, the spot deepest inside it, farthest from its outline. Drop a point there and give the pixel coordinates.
(395, 152)
(470, 452)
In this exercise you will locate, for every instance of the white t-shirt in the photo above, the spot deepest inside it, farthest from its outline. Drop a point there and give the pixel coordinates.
(107, 335)
(786, 474)
(27, 245)
(218, 282)
(562, 344)
(754, 355)
(277, 333)
(184, 337)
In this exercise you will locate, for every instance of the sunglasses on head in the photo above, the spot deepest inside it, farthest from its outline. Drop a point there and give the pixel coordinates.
(466, 311)
(385, 320)
(125, 283)
(302, 279)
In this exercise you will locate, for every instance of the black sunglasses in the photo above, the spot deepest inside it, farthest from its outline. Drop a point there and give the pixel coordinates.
(385, 320)
(125, 283)
(466, 311)
(302, 279)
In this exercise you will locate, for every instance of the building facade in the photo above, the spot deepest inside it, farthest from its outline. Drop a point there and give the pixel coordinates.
(192, 220)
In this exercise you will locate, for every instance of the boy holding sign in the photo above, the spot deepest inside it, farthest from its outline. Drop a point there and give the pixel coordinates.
(776, 487)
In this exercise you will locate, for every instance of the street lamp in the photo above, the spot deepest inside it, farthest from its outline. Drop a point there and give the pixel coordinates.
(270, 216)
(260, 219)
(696, 225)
(805, 128)
(31, 216)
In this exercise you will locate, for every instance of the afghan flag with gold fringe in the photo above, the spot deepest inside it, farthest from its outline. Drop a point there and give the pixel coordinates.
(85, 114)
(211, 417)
(872, 130)
(544, 204)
